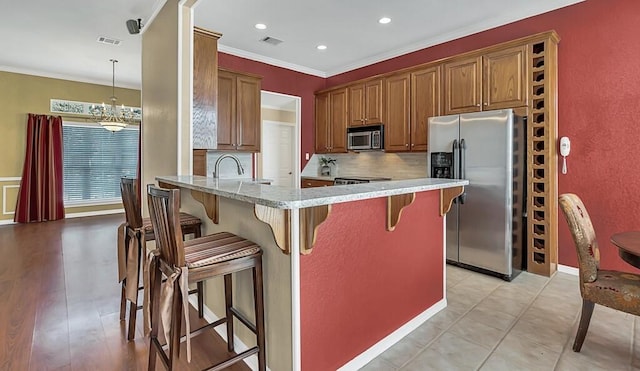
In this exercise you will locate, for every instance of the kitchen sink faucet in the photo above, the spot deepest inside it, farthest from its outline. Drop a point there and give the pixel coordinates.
(216, 167)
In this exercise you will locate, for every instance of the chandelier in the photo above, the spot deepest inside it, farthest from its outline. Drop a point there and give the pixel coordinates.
(112, 118)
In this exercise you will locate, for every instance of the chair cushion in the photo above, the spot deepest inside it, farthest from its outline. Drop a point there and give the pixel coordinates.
(185, 220)
(217, 248)
(617, 290)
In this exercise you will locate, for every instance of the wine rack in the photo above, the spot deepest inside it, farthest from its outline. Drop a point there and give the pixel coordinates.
(542, 198)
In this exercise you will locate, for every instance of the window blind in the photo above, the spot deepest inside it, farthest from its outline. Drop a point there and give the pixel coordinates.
(94, 161)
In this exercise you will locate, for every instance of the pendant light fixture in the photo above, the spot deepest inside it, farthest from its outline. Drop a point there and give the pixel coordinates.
(112, 117)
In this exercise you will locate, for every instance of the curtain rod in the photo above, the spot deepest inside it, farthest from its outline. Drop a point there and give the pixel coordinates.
(82, 118)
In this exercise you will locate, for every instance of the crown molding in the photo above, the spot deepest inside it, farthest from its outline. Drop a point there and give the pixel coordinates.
(272, 61)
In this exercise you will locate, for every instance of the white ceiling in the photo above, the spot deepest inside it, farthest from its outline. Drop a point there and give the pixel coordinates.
(58, 38)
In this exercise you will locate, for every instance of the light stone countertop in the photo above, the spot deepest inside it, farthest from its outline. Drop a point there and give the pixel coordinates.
(278, 197)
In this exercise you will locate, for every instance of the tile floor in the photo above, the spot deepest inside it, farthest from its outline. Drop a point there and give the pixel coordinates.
(527, 324)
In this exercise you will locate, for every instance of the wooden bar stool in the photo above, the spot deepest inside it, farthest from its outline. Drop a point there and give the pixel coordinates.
(138, 231)
(195, 261)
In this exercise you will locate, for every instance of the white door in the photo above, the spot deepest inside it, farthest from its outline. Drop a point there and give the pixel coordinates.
(278, 153)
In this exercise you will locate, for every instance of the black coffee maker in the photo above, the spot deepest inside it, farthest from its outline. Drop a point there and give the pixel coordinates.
(442, 165)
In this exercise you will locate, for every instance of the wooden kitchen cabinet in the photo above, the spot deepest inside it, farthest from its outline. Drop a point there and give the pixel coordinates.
(365, 103)
(310, 183)
(238, 111)
(462, 89)
(425, 103)
(505, 77)
(205, 88)
(322, 122)
(331, 121)
(410, 99)
(200, 162)
(485, 82)
(397, 134)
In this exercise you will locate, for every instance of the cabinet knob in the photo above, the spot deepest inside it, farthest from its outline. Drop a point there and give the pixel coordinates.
(413, 144)
(406, 145)
(478, 105)
(366, 119)
(486, 104)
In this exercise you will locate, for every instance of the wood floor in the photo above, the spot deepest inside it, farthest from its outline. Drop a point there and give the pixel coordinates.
(59, 302)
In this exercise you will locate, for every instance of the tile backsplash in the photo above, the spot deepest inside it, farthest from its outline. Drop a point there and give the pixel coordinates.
(372, 164)
(228, 167)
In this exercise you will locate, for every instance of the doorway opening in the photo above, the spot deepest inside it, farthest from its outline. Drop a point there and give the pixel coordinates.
(279, 157)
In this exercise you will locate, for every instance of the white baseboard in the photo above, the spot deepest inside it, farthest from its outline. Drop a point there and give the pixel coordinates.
(386, 343)
(77, 215)
(569, 270)
(94, 213)
(251, 361)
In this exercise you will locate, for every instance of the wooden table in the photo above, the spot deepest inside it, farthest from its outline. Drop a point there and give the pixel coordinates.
(628, 244)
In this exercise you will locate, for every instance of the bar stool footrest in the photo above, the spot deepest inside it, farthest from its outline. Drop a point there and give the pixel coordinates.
(234, 359)
(241, 317)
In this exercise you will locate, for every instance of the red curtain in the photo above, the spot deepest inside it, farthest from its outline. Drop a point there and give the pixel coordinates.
(41, 190)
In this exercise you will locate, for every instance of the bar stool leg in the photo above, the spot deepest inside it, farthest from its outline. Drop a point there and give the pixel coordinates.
(156, 280)
(123, 301)
(200, 299)
(133, 306)
(259, 310)
(228, 300)
(123, 295)
(176, 325)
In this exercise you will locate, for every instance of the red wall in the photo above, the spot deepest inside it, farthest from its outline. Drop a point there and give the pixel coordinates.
(282, 80)
(599, 107)
(361, 282)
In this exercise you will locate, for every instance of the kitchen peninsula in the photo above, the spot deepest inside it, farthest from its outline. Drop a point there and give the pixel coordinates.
(348, 270)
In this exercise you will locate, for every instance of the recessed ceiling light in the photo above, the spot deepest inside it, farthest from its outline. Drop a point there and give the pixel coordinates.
(261, 26)
(384, 20)
(321, 47)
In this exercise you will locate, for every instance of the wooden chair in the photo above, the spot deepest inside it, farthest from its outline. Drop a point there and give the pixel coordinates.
(613, 289)
(195, 261)
(141, 230)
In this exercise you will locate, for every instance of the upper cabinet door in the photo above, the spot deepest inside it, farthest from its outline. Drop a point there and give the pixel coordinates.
(505, 79)
(373, 102)
(397, 112)
(338, 120)
(205, 88)
(248, 113)
(356, 105)
(226, 110)
(322, 123)
(425, 103)
(462, 86)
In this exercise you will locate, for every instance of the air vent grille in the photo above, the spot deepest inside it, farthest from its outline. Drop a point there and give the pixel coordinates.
(109, 40)
(271, 40)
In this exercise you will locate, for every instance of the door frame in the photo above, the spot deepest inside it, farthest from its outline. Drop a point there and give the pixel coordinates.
(297, 132)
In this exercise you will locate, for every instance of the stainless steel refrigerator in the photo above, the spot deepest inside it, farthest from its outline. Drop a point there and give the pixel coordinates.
(486, 225)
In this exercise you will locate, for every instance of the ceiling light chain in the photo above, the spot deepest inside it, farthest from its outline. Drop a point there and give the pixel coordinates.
(112, 118)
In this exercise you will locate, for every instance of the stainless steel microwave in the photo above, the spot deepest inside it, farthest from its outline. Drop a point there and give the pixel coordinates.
(365, 138)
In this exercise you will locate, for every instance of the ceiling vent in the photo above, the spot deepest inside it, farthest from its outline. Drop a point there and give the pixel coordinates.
(109, 40)
(271, 40)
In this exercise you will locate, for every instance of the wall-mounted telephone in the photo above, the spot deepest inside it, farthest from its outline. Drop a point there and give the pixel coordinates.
(565, 149)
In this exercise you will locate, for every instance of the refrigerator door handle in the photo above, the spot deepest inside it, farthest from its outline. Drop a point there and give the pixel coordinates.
(463, 170)
(456, 160)
(463, 153)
